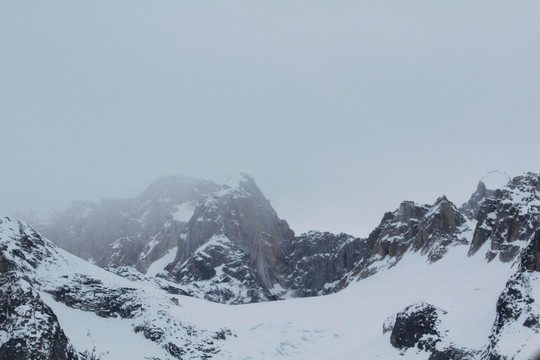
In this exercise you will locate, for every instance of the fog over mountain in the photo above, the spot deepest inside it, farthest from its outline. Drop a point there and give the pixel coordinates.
(432, 281)
(385, 197)
(339, 110)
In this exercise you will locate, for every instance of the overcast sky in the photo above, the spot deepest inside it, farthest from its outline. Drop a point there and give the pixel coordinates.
(339, 109)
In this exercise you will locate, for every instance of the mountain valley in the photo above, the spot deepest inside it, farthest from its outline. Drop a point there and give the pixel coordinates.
(191, 269)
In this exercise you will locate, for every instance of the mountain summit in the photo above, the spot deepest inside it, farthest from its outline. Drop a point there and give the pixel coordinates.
(234, 245)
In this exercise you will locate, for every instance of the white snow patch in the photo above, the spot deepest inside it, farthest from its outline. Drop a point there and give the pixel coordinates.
(159, 265)
(183, 212)
(215, 240)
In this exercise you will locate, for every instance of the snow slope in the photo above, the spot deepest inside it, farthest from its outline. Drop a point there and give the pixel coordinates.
(346, 325)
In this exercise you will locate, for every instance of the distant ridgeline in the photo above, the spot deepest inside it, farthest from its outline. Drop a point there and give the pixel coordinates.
(225, 243)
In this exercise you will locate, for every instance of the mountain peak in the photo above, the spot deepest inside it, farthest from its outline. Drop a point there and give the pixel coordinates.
(237, 231)
(441, 199)
(486, 187)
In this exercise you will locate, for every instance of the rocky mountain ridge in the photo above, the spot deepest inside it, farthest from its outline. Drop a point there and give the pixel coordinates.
(35, 274)
(235, 249)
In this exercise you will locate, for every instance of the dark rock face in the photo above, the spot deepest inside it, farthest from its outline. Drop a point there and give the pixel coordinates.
(236, 231)
(31, 327)
(88, 294)
(517, 312)
(471, 207)
(416, 326)
(530, 257)
(320, 261)
(509, 219)
(133, 232)
(454, 354)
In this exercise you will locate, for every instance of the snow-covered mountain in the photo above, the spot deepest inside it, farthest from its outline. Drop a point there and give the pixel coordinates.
(234, 246)
(430, 282)
(54, 303)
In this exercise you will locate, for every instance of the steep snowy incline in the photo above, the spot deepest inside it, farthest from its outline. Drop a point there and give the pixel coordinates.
(349, 324)
(430, 230)
(65, 289)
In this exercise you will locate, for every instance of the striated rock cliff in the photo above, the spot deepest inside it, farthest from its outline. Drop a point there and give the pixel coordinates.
(234, 246)
(443, 226)
(319, 261)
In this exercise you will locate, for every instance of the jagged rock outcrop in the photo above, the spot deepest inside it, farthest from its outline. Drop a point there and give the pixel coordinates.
(234, 247)
(472, 206)
(487, 185)
(319, 261)
(518, 310)
(22, 248)
(419, 327)
(29, 329)
(517, 317)
(131, 232)
(33, 268)
(443, 226)
(530, 256)
(392, 238)
(429, 229)
(508, 219)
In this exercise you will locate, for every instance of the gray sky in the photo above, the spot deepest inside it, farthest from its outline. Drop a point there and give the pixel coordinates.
(338, 109)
